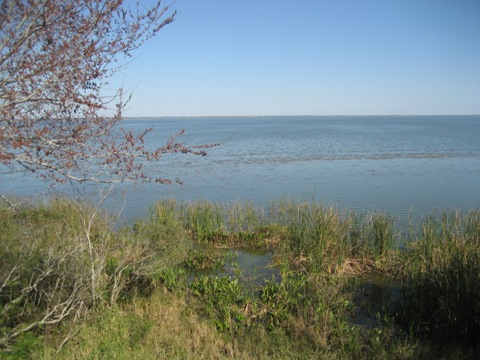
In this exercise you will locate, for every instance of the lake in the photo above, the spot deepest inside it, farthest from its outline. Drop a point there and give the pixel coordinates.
(406, 166)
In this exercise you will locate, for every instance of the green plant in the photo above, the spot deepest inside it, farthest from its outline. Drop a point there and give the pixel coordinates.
(63, 258)
(382, 234)
(442, 293)
(51, 259)
(201, 260)
(280, 299)
(204, 220)
(173, 278)
(222, 297)
(242, 217)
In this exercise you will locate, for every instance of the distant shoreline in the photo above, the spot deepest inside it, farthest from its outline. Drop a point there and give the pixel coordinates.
(285, 116)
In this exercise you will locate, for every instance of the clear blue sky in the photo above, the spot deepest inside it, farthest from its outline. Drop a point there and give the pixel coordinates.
(310, 57)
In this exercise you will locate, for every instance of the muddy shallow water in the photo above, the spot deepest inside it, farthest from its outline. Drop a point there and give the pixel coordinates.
(250, 266)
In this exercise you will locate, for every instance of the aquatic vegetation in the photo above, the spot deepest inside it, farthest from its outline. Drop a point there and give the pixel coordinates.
(200, 260)
(222, 298)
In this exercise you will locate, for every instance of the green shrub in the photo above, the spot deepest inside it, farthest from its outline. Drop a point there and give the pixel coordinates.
(61, 259)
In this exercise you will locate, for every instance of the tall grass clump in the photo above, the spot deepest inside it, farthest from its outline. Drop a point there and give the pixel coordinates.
(317, 236)
(205, 220)
(162, 236)
(139, 256)
(243, 217)
(442, 294)
(329, 240)
(234, 224)
(380, 235)
(246, 226)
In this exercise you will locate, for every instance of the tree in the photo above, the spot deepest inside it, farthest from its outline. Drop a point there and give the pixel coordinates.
(56, 58)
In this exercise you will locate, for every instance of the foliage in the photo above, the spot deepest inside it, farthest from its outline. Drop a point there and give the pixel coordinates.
(223, 297)
(156, 234)
(45, 272)
(227, 224)
(175, 299)
(60, 260)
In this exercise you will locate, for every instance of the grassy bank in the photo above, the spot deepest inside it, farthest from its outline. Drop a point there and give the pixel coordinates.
(344, 285)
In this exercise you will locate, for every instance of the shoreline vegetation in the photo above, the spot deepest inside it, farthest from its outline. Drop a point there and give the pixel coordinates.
(340, 284)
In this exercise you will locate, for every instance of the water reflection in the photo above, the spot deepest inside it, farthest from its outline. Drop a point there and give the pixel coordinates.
(252, 267)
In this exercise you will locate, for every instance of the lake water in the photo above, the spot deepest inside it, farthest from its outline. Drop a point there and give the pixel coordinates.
(404, 165)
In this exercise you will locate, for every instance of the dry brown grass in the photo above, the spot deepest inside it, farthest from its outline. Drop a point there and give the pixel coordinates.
(176, 326)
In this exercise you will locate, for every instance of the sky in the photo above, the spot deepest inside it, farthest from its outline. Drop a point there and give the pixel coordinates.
(310, 57)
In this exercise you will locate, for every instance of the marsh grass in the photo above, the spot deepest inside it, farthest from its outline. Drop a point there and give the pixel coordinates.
(227, 225)
(327, 240)
(204, 220)
(320, 237)
(159, 293)
(162, 237)
(442, 293)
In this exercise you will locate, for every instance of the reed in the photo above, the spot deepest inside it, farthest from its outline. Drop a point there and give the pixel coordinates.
(471, 227)
(233, 224)
(381, 235)
(205, 220)
(442, 294)
(328, 240)
(243, 217)
(162, 237)
(315, 235)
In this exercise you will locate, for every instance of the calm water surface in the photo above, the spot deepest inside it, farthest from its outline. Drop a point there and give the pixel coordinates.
(406, 166)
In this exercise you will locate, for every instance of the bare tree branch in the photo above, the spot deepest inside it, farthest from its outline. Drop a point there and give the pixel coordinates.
(56, 57)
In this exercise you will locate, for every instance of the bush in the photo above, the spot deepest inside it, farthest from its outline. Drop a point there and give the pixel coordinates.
(62, 259)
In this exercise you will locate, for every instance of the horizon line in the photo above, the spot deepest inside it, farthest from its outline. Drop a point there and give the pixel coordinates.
(288, 115)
